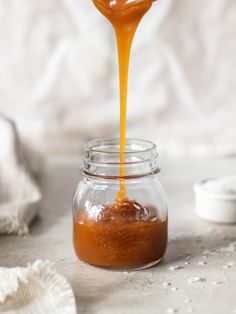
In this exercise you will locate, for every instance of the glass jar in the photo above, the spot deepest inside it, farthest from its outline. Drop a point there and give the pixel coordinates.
(109, 232)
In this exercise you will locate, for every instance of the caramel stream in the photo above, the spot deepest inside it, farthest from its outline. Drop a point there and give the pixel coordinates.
(125, 16)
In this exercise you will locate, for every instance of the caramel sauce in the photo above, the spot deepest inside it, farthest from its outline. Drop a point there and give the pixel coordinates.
(125, 16)
(122, 235)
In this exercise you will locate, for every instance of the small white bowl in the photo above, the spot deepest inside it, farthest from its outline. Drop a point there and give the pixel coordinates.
(215, 207)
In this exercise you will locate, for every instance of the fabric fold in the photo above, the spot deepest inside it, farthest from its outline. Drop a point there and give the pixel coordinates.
(36, 288)
(20, 195)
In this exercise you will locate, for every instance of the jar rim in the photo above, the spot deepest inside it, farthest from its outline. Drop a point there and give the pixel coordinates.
(102, 158)
(91, 146)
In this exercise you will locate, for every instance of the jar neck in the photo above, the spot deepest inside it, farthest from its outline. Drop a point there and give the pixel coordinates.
(102, 159)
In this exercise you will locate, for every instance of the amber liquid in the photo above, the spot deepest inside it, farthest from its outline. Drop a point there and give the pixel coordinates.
(121, 236)
(125, 16)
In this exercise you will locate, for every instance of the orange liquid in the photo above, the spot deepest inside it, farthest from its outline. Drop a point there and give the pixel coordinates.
(124, 235)
(125, 16)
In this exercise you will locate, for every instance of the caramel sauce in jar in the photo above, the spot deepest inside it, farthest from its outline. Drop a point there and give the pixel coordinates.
(126, 234)
(120, 236)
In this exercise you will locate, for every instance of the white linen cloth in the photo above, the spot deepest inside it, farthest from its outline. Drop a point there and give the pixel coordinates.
(35, 289)
(59, 80)
(20, 195)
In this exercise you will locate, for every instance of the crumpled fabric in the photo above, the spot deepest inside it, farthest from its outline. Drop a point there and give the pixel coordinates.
(20, 194)
(36, 288)
(59, 79)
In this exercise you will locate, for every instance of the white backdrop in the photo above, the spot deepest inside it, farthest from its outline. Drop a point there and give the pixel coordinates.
(58, 75)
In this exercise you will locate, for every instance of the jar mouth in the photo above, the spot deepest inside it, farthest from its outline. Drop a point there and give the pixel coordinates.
(112, 146)
(102, 158)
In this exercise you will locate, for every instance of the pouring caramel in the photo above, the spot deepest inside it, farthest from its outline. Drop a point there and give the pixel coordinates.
(126, 234)
(125, 16)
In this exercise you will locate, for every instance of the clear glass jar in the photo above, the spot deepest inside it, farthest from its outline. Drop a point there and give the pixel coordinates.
(128, 233)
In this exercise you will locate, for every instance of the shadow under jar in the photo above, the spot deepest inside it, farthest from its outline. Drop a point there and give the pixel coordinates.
(120, 234)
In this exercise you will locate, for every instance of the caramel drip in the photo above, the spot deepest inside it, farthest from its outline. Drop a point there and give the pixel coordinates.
(125, 16)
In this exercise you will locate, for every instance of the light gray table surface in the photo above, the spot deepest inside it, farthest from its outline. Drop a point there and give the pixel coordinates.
(200, 249)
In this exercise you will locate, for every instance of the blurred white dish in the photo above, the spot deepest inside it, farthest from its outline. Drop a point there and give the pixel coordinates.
(215, 199)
